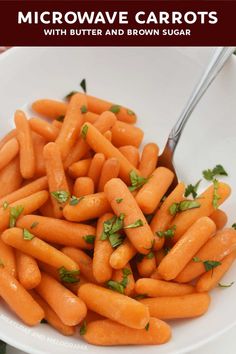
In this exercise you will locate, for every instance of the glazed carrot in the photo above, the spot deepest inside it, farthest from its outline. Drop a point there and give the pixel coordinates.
(108, 135)
(187, 246)
(149, 196)
(47, 209)
(90, 117)
(100, 144)
(69, 308)
(19, 300)
(10, 178)
(82, 259)
(24, 137)
(71, 125)
(27, 270)
(149, 159)
(162, 218)
(141, 236)
(126, 134)
(110, 169)
(7, 137)
(220, 218)
(155, 288)
(38, 249)
(218, 247)
(80, 168)
(115, 306)
(119, 275)
(39, 143)
(95, 168)
(83, 186)
(28, 204)
(56, 231)
(50, 108)
(147, 265)
(131, 153)
(56, 176)
(43, 128)
(102, 269)
(99, 106)
(184, 220)
(8, 152)
(184, 306)
(33, 187)
(90, 207)
(210, 280)
(51, 317)
(122, 255)
(7, 258)
(107, 332)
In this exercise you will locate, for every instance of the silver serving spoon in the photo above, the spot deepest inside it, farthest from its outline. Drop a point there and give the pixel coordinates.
(220, 56)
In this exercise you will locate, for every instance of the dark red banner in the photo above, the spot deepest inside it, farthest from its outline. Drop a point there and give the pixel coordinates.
(117, 23)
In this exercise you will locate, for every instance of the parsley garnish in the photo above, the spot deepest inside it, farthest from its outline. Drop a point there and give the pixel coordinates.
(234, 226)
(192, 189)
(83, 85)
(84, 131)
(126, 272)
(74, 200)
(83, 109)
(119, 200)
(150, 255)
(168, 233)
(5, 205)
(3, 347)
(14, 214)
(27, 235)
(70, 94)
(184, 205)
(216, 196)
(116, 286)
(225, 285)
(115, 108)
(61, 196)
(140, 296)
(83, 328)
(116, 239)
(60, 118)
(209, 265)
(68, 276)
(136, 181)
(147, 326)
(137, 223)
(34, 224)
(89, 239)
(218, 170)
(130, 112)
(111, 228)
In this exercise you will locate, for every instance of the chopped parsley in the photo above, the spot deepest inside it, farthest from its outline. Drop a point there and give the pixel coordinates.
(83, 328)
(84, 131)
(119, 200)
(83, 85)
(192, 190)
(120, 286)
(115, 108)
(14, 214)
(130, 112)
(111, 227)
(68, 276)
(168, 233)
(89, 239)
(83, 109)
(140, 296)
(147, 326)
(74, 200)
(61, 196)
(5, 205)
(216, 196)
(234, 226)
(184, 205)
(27, 235)
(136, 181)
(208, 264)
(34, 224)
(150, 255)
(218, 170)
(137, 223)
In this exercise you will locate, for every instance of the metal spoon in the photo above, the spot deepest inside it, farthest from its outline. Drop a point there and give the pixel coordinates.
(220, 56)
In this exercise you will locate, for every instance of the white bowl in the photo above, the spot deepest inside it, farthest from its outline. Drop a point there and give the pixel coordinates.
(155, 82)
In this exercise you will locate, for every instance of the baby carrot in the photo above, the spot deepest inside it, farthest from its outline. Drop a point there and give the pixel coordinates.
(185, 219)
(37, 249)
(147, 265)
(149, 196)
(110, 169)
(162, 218)
(80, 168)
(122, 255)
(155, 288)
(56, 177)
(220, 218)
(43, 128)
(126, 134)
(90, 117)
(115, 306)
(51, 317)
(10, 177)
(187, 246)
(39, 143)
(71, 125)
(149, 159)
(69, 308)
(100, 144)
(27, 270)
(95, 168)
(19, 300)
(107, 332)
(83, 186)
(131, 153)
(7, 137)
(210, 280)
(24, 137)
(120, 275)
(102, 269)
(7, 258)
(50, 108)
(89, 207)
(218, 247)
(172, 307)
(57, 231)
(8, 152)
(136, 227)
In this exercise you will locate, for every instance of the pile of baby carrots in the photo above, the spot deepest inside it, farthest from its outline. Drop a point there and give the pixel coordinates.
(92, 236)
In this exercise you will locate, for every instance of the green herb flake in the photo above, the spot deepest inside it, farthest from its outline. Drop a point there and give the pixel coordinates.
(83, 85)
(197, 259)
(126, 272)
(74, 200)
(136, 224)
(70, 94)
(34, 224)
(210, 265)
(84, 131)
(130, 112)
(89, 239)
(192, 190)
(150, 255)
(116, 286)
(147, 326)
(111, 228)
(136, 181)
(116, 239)
(3, 347)
(27, 235)
(14, 214)
(140, 296)
(119, 200)
(184, 205)
(61, 196)
(83, 328)
(168, 233)
(68, 276)
(5, 205)
(234, 226)
(60, 118)
(225, 285)
(115, 108)
(216, 196)
(218, 170)
(83, 109)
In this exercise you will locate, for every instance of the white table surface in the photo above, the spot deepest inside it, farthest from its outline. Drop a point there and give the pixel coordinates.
(226, 343)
